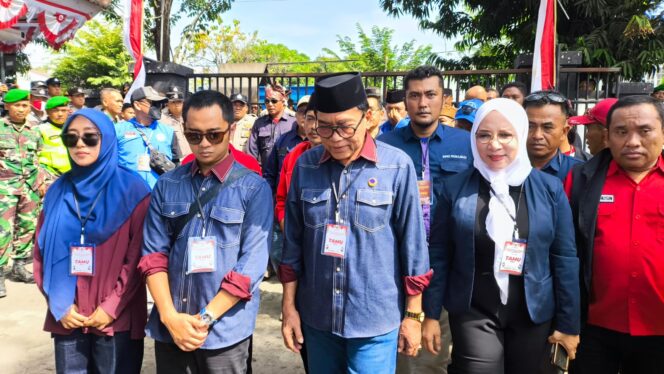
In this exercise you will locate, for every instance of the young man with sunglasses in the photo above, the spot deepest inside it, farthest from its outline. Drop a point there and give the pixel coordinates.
(206, 244)
(21, 180)
(548, 112)
(436, 151)
(355, 258)
(140, 135)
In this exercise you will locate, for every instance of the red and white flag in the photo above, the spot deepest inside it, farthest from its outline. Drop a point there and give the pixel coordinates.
(133, 39)
(544, 54)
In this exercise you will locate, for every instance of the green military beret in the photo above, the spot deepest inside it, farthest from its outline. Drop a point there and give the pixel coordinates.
(56, 101)
(658, 88)
(15, 95)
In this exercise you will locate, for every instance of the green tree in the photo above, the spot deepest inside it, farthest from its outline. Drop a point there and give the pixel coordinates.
(222, 44)
(160, 17)
(623, 33)
(95, 58)
(375, 52)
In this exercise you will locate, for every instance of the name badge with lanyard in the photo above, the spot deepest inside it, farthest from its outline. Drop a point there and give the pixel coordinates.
(82, 254)
(514, 251)
(201, 250)
(336, 233)
(143, 162)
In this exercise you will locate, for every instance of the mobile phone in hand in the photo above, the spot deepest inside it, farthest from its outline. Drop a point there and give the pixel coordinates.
(559, 357)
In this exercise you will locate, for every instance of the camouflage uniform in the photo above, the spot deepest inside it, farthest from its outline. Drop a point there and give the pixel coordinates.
(243, 131)
(20, 179)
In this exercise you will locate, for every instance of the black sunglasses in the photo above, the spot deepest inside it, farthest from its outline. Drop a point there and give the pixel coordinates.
(214, 137)
(548, 96)
(273, 101)
(91, 139)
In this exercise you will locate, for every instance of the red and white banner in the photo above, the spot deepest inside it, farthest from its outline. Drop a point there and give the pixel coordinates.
(56, 20)
(133, 39)
(544, 54)
(11, 11)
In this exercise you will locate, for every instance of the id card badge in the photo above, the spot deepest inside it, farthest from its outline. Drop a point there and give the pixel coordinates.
(514, 255)
(82, 259)
(335, 240)
(144, 162)
(202, 254)
(424, 187)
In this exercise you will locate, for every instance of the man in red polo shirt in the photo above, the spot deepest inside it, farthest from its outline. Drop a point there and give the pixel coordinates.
(618, 207)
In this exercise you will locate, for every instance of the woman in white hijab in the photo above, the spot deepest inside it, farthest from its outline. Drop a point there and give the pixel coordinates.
(504, 257)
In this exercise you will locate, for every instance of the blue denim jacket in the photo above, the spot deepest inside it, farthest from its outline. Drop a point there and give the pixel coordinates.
(238, 219)
(361, 295)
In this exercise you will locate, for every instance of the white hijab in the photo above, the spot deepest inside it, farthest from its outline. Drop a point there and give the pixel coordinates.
(499, 224)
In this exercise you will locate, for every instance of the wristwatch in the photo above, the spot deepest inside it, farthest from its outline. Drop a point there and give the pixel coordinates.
(207, 318)
(419, 317)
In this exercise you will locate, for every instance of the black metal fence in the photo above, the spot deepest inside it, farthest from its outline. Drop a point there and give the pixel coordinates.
(584, 86)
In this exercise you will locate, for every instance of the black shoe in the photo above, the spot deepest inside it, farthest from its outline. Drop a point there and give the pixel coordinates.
(20, 273)
(3, 290)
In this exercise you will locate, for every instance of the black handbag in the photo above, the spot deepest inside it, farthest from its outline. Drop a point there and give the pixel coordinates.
(158, 161)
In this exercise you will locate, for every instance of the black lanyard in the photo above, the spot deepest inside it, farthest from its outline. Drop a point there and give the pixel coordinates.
(78, 213)
(337, 215)
(200, 206)
(516, 213)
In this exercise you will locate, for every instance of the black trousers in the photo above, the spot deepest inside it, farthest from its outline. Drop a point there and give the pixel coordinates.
(604, 351)
(492, 338)
(230, 360)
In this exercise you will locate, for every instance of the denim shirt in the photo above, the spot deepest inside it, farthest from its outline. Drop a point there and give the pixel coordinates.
(237, 217)
(560, 165)
(131, 145)
(449, 152)
(363, 293)
(272, 166)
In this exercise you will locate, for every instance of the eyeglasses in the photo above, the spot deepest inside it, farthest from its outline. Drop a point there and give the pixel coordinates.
(214, 137)
(467, 109)
(90, 139)
(271, 101)
(486, 138)
(345, 132)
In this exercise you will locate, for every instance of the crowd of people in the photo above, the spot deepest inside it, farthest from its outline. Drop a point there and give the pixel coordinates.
(411, 235)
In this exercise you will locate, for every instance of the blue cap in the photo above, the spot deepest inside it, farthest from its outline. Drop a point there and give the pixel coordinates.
(468, 109)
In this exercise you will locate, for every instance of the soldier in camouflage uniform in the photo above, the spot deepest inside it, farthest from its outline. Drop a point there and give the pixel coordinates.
(244, 121)
(20, 184)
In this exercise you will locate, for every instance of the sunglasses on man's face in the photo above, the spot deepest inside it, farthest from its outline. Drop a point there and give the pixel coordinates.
(195, 137)
(90, 139)
(271, 101)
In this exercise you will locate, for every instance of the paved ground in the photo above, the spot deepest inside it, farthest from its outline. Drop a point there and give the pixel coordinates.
(25, 348)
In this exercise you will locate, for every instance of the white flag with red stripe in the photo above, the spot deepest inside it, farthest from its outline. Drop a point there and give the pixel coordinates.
(133, 39)
(544, 54)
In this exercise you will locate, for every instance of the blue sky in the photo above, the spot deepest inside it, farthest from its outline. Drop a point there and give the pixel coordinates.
(307, 26)
(310, 26)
